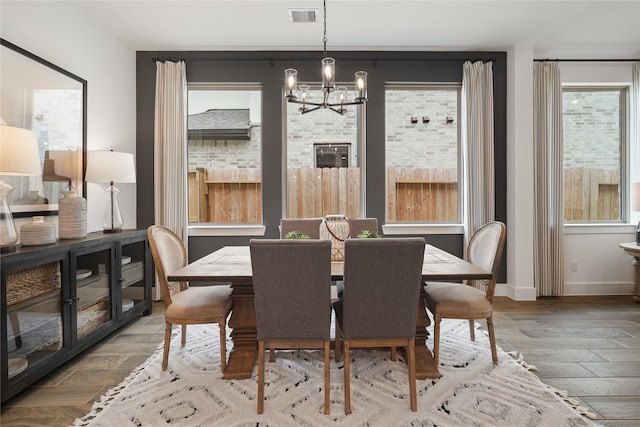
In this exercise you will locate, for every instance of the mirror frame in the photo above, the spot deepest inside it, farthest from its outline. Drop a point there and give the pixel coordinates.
(50, 75)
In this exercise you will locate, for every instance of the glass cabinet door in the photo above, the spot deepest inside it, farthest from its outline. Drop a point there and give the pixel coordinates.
(132, 277)
(93, 291)
(34, 316)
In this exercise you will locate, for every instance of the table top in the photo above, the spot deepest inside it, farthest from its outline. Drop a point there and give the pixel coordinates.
(630, 246)
(233, 263)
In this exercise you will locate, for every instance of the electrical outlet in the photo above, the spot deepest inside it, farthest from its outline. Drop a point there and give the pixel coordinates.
(574, 265)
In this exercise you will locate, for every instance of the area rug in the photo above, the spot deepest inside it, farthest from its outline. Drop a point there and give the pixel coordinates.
(471, 392)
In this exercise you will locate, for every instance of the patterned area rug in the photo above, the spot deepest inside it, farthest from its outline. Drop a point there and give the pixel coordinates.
(472, 391)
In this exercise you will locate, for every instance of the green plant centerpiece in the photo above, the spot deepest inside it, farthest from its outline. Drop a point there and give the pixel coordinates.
(295, 234)
(366, 234)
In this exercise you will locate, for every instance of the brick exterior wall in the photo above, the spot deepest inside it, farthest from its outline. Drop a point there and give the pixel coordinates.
(582, 146)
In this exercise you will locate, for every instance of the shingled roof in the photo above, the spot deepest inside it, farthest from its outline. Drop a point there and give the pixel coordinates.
(220, 124)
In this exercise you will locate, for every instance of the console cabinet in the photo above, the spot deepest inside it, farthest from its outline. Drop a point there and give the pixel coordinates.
(59, 299)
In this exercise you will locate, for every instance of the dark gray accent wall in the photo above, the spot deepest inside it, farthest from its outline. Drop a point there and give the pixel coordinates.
(267, 69)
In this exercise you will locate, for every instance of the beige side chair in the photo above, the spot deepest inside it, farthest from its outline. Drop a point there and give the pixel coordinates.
(473, 299)
(291, 283)
(382, 278)
(186, 305)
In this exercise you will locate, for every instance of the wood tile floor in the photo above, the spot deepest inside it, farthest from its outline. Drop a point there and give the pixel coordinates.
(589, 346)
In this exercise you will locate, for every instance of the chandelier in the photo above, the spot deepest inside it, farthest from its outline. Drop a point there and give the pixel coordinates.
(299, 94)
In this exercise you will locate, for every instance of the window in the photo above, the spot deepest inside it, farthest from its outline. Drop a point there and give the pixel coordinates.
(323, 155)
(593, 152)
(224, 154)
(422, 153)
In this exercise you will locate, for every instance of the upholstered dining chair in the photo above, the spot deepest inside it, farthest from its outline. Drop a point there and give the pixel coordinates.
(473, 299)
(291, 284)
(186, 305)
(358, 225)
(383, 278)
(309, 226)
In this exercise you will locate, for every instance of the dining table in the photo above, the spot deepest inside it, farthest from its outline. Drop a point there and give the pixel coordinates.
(232, 264)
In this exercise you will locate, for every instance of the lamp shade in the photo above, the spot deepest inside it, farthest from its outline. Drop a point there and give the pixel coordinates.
(19, 153)
(110, 166)
(635, 196)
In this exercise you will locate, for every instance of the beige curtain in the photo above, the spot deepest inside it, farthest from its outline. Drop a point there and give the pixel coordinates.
(548, 175)
(170, 147)
(635, 123)
(477, 146)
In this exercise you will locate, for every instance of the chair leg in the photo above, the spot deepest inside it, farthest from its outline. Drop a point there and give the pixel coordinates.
(472, 329)
(327, 365)
(167, 342)
(436, 338)
(492, 340)
(260, 377)
(338, 341)
(184, 335)
(347, 379)
(393, 354)
(223, 344)
(411, 356)
(272, 355)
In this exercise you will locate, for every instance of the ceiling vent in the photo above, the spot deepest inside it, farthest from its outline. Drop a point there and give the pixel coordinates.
(303, 15)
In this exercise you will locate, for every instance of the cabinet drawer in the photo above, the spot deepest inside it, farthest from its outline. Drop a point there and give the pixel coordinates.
(132, 273)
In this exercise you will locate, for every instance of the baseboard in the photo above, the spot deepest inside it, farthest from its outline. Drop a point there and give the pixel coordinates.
(585, 288)
(524, 293)
(570, 289)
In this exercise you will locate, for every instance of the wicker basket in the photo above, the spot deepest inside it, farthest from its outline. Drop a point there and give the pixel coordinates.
(25, 284)
(92, 317)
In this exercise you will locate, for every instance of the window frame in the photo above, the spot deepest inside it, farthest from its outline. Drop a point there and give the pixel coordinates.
(625, 165)
(433, 227)
(229, 229)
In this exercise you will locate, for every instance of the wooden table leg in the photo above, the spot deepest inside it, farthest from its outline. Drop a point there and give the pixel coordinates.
(425, 365)
(242, 358)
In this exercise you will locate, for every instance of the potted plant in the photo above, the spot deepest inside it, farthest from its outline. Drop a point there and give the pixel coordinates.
(366, 234)
(295, 234)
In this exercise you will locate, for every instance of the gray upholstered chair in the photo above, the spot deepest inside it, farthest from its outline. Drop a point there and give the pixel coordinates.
(358, 225)
(309, 226)
(291, 283)
(383, 278)
(186, 305)
(473, 299)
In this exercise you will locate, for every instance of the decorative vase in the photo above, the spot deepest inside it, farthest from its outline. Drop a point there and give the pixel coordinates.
(37, 232)
(337, 228)
(72, 216)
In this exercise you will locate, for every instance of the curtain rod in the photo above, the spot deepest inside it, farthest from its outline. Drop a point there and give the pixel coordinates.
(586, 60)
(374, 60)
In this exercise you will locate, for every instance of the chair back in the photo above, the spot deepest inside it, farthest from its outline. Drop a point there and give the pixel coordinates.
(292, 288)
(382, 281)
(169, 254)
(309, 226)
(358, 225)
(485, 251)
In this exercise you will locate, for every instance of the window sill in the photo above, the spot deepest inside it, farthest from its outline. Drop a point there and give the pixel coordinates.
(227, 230)
(603, 228)
(413, 229)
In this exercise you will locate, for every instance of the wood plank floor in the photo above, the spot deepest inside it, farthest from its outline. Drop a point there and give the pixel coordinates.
(588, 346)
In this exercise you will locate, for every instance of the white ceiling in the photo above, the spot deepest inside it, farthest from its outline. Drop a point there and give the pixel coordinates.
(605, 28)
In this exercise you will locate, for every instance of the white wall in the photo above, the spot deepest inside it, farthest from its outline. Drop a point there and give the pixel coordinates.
(602, 267)
(59, 33)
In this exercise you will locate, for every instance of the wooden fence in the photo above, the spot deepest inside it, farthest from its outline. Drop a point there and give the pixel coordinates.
(591, 194)
(413, 194)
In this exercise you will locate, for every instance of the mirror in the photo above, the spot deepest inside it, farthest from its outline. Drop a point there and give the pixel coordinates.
(50, 101)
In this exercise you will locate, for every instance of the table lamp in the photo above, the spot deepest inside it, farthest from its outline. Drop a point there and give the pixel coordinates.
(635, 205)
(111, 166)
(19, 156)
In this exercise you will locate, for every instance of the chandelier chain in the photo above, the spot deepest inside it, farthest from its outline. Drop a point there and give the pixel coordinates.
(324, 17)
